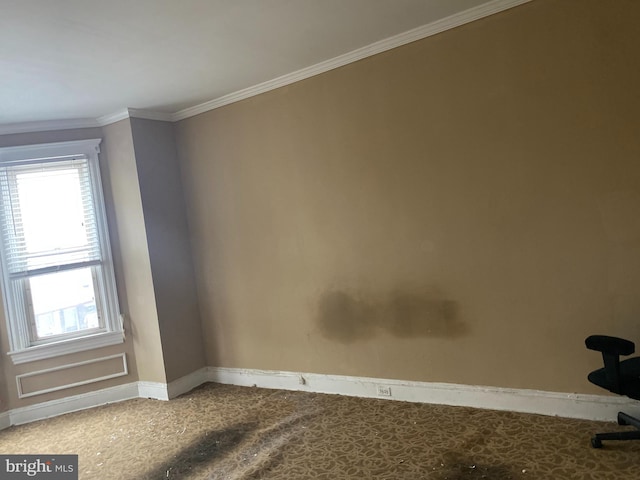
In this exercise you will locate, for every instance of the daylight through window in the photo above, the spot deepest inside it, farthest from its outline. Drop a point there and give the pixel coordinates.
(57, 271)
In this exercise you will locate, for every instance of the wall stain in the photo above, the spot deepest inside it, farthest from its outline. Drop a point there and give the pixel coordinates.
(413, 315)
(345, 318)
(348, 317)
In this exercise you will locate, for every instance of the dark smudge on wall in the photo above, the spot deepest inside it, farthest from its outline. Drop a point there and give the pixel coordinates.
(348, 317)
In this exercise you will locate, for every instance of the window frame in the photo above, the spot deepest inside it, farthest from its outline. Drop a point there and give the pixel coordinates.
(23, 348)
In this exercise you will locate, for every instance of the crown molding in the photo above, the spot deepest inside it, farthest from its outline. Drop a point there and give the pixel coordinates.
(439, 26)
(134, 113)
(48, 125)
(430, 29)
(150, 115)
(73, 123)
(113, 117)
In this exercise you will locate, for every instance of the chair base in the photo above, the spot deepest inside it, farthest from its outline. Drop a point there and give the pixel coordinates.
(623, 419)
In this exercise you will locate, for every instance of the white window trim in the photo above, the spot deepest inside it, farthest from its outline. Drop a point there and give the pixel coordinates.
(21, 351)
(65, 347)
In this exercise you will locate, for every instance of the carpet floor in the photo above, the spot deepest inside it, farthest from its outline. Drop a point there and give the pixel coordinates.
(241, 433)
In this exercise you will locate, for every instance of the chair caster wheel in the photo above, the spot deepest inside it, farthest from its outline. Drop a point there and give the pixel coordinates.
(596, 442)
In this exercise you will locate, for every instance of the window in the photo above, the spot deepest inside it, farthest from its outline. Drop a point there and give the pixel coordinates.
(57, 272)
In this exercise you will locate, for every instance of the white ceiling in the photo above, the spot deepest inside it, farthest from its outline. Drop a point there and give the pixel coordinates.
(69, 59)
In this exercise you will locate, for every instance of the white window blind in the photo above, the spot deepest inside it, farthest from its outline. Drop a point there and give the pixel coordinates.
(53, 235)
(57, 270)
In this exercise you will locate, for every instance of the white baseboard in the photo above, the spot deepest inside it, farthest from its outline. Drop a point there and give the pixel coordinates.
(569, 405)
(188, 382)
(141, 389)
(164, 391)
(5, 420)
(74, 403)
(153, 390)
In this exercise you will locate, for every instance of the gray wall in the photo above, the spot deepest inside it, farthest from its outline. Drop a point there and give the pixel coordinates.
(169, 248)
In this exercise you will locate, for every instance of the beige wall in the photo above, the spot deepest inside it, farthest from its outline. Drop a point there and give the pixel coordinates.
(167, 237)
(462, 209)
(135, 283)
(149, 236)
(10, 371)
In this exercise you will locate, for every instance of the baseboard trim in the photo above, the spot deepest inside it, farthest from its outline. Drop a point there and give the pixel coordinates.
(167, 391)
(569, 405)
(188, 382)
(5, 420)
(53, 408)
(153, 390)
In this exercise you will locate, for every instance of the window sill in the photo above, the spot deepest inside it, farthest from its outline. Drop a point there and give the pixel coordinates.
(65, 347)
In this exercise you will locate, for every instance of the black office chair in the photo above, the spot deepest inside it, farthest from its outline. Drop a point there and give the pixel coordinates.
(621, 377)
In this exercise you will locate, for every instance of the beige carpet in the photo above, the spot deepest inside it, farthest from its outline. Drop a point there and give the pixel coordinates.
(239, 433)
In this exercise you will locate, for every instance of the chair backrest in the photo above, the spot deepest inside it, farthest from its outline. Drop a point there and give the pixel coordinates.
(611, 349)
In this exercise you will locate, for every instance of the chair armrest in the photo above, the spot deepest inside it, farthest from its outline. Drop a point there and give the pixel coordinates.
(610, 345)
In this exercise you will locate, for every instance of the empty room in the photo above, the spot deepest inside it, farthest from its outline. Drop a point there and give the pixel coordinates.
(319, 239)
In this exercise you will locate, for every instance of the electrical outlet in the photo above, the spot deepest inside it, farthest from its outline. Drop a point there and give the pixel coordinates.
(384, 391)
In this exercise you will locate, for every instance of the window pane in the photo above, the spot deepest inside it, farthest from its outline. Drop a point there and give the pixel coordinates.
(53, 217)
(64, 302)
